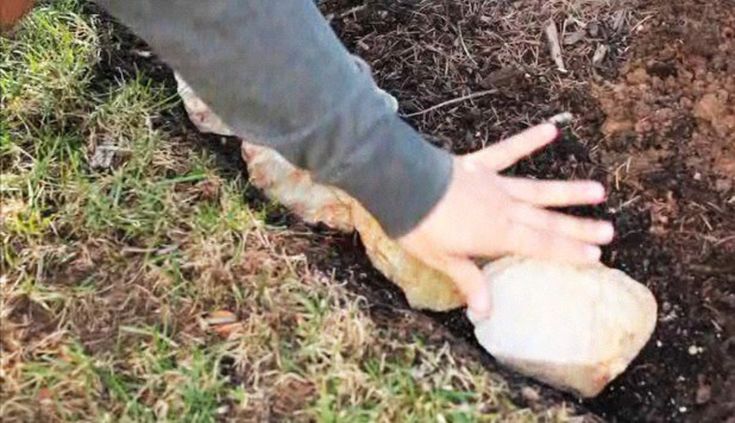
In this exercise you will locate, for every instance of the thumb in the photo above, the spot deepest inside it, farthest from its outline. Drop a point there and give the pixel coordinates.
(471, 282)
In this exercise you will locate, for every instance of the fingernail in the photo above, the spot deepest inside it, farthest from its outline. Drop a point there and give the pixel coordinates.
(593, 253)
(597, 191)
(607, 232)
(479, 306)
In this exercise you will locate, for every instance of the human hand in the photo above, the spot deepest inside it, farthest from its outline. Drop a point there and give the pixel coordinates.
(484, 214)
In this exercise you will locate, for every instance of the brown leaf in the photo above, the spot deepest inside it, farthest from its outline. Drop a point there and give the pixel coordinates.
(209, 189)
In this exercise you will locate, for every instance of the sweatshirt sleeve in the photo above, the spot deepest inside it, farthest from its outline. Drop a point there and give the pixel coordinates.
(275, 72)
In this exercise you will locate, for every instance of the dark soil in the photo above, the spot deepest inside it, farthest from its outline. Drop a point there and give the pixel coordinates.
(654, 121)
(671, 118)
(660, 132)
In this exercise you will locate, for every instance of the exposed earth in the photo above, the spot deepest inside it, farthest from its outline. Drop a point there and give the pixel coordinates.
(655, 122)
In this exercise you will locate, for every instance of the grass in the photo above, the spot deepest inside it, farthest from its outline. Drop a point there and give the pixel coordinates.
(121, 244)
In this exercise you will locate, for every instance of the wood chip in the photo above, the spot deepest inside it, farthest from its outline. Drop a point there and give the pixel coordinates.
(600, 54)
(45, 396)
(552, 36)
(105, 154)
(219, 317)
(561, 118)
(619, 19)
(572, 38)
(228, 329)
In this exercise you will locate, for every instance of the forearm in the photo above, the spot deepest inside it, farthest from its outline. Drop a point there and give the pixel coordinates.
(275, 72)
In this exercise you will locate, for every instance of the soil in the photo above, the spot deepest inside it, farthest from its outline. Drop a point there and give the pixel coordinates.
(657, 126)
(653, 120)
(670, 119)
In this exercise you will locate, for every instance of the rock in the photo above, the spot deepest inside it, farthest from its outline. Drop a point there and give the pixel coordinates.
(529, 394)
(593, 29)
(704, 391)
(199, 113)
(574, 328)
(11, 11)
(425, 288)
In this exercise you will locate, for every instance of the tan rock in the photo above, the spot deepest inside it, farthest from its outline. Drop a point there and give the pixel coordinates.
(199, 113)
(575, 328)
(424, 287)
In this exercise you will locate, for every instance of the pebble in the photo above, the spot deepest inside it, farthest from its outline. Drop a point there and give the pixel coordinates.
(704, 392)
(694, 350)
(530, 394)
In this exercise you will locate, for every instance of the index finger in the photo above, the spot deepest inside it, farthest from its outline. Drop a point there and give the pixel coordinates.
(505, 153)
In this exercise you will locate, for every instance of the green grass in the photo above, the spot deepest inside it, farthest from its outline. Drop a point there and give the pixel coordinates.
(108, 271)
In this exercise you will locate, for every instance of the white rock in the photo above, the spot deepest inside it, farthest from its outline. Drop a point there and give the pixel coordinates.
(575, 328)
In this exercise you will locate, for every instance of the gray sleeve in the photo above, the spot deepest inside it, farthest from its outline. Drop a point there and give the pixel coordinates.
(274, 70)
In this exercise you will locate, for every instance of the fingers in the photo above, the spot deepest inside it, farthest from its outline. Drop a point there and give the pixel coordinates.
(576, 228)
(470, 281)
(528, 241)
(553, 193)
(506, 152)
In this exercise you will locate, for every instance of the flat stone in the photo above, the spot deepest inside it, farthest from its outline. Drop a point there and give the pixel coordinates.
(574, 328)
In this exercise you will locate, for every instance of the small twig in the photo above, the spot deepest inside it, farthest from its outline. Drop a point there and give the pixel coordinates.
(464, 46)
(351, 11)
(640, 23)
(724, 240)
(453, 101)
(711, 270)
(555, 48)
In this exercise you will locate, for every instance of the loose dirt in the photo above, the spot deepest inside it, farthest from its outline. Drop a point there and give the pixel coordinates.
(670, 138)
(655, 122)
